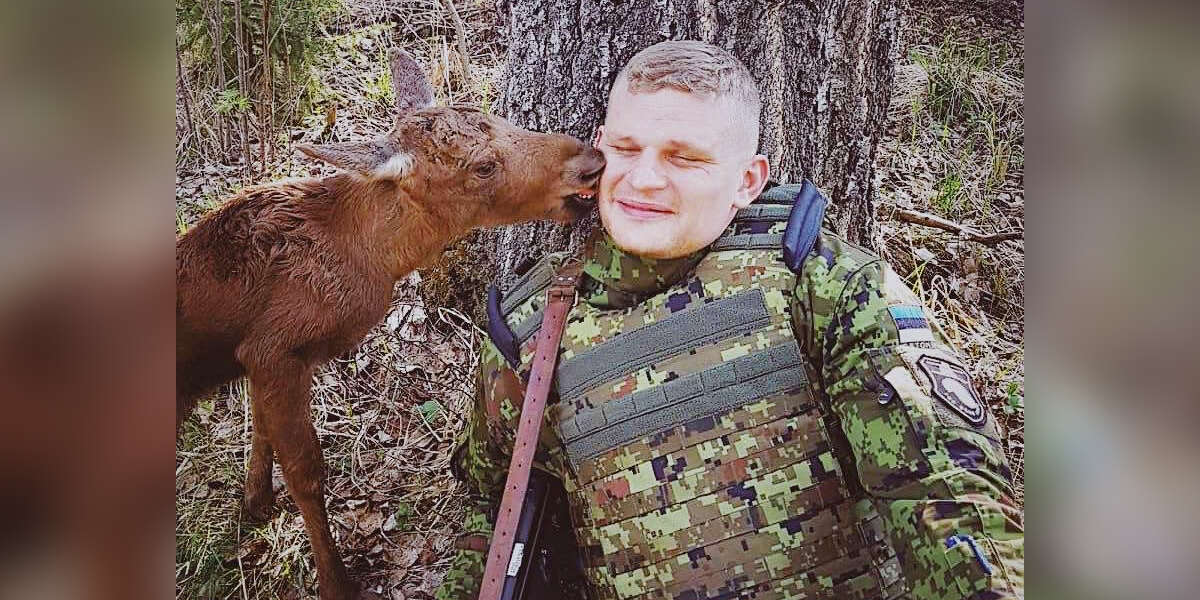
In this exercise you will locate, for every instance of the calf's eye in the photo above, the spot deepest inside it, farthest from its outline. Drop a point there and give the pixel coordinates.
(485, 169)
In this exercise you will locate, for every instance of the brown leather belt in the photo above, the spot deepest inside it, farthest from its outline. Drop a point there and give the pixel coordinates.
(559, 300)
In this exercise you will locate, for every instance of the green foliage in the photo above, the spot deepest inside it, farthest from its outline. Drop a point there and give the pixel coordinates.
(297, 42)
(1015, 401)
(229, 101)
(487, 93)
(949, 193)
(952, 67)
(379, 88)
(403, 512)
(429, 410)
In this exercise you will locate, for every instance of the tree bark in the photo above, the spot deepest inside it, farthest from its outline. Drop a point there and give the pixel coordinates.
(824, 69)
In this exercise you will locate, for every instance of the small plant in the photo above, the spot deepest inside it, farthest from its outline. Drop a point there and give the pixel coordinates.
(379, 88)
(486, 92)
(1001, 286)
(230, 101)
(402, 514)
(999, 148)
(949, 193)
(1015, 401)
(916, 108)
(952, 67)
(429, 410)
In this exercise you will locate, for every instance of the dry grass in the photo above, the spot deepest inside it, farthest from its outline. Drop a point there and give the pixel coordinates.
(955, 148)
(386, 415)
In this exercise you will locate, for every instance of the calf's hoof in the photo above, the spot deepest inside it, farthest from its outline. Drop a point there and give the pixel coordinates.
(258, 509)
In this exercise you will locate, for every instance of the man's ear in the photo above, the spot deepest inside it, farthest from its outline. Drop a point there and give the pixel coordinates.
(374, 159)
(754, 178)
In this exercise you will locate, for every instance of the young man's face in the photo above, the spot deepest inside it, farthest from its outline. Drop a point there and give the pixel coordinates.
(676, 171)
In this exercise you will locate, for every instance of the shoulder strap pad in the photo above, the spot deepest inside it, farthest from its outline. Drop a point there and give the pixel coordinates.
(498, 330)
(532, 280)
(804, 225)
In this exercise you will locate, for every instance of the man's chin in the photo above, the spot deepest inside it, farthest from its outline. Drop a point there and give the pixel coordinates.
(646, 244)
(647, 239)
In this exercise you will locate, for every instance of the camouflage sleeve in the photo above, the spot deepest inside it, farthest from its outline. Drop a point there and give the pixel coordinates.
(480, 461)
(925, 449)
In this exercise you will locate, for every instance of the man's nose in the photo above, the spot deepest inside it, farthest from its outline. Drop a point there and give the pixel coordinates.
(646, 175)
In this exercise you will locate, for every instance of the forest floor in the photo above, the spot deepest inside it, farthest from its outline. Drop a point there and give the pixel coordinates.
(387, 415)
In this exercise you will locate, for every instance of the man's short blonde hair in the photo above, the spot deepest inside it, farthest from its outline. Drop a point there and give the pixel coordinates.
(696, 68)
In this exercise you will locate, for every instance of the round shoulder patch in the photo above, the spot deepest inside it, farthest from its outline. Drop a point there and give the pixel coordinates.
(952, 385)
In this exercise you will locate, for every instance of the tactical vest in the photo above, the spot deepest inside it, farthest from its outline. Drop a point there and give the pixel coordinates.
(698, 458)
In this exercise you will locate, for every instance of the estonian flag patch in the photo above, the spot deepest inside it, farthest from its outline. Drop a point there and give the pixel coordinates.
(911, 323)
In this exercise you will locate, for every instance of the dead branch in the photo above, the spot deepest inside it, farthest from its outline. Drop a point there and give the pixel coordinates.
(266, 103)
(928, 220)
(460, 32)
(218, 18)
(185, 92)
(243, 87)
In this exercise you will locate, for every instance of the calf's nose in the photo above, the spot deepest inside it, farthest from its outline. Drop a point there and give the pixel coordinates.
(592, 163)
(586, 165)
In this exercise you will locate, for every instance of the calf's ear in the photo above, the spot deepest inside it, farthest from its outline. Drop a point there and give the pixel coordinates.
(412, 89)
(374, 159)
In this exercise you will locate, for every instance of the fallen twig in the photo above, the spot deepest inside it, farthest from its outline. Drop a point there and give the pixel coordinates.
(928, 220)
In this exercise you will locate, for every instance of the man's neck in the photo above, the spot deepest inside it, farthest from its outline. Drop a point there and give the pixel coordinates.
(618, 279)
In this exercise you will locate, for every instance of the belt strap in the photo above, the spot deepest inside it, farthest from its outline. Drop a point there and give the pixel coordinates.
(475, 542)
(559, 300)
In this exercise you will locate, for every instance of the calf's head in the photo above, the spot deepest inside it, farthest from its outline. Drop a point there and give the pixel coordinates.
(466, 166)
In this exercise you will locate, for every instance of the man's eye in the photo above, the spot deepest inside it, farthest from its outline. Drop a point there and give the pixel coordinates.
(624, 149)
(685, 160)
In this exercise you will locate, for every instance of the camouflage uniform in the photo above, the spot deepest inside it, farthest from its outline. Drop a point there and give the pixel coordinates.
(727, 428)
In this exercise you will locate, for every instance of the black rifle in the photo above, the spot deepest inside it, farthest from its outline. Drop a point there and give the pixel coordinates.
(545, 559)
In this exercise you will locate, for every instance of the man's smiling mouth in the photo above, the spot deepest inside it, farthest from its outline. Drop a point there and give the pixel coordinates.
(643, 210)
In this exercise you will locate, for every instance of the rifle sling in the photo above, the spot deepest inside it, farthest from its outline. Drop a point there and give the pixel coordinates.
(560, 297)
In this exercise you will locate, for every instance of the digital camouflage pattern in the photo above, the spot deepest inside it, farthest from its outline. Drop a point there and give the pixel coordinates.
(726, 428)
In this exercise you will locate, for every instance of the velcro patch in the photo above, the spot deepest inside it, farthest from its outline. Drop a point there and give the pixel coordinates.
(911, 323)
(952, 385)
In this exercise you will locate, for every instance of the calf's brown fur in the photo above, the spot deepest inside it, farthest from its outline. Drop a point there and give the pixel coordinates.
(287, 275)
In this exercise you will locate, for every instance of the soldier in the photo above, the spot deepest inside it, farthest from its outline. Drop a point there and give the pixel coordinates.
(746, 405)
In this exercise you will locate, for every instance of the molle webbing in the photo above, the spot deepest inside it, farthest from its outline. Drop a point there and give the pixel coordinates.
(714, 390)
(764, 212)
(748, 241)
(528, 327)
(760, 213)
(532, 282)
(646, 345)
(535, 281)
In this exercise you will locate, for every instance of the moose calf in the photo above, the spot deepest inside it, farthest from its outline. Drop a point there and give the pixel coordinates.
(287, 275)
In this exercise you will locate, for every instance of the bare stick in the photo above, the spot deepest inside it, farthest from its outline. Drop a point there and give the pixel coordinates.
(242, 87)
(185, 93)
(266, 103)
(218, 19)
(928, 220)
(460, 30)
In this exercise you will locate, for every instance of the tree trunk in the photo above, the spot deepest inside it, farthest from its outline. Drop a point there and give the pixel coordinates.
(824, 68)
